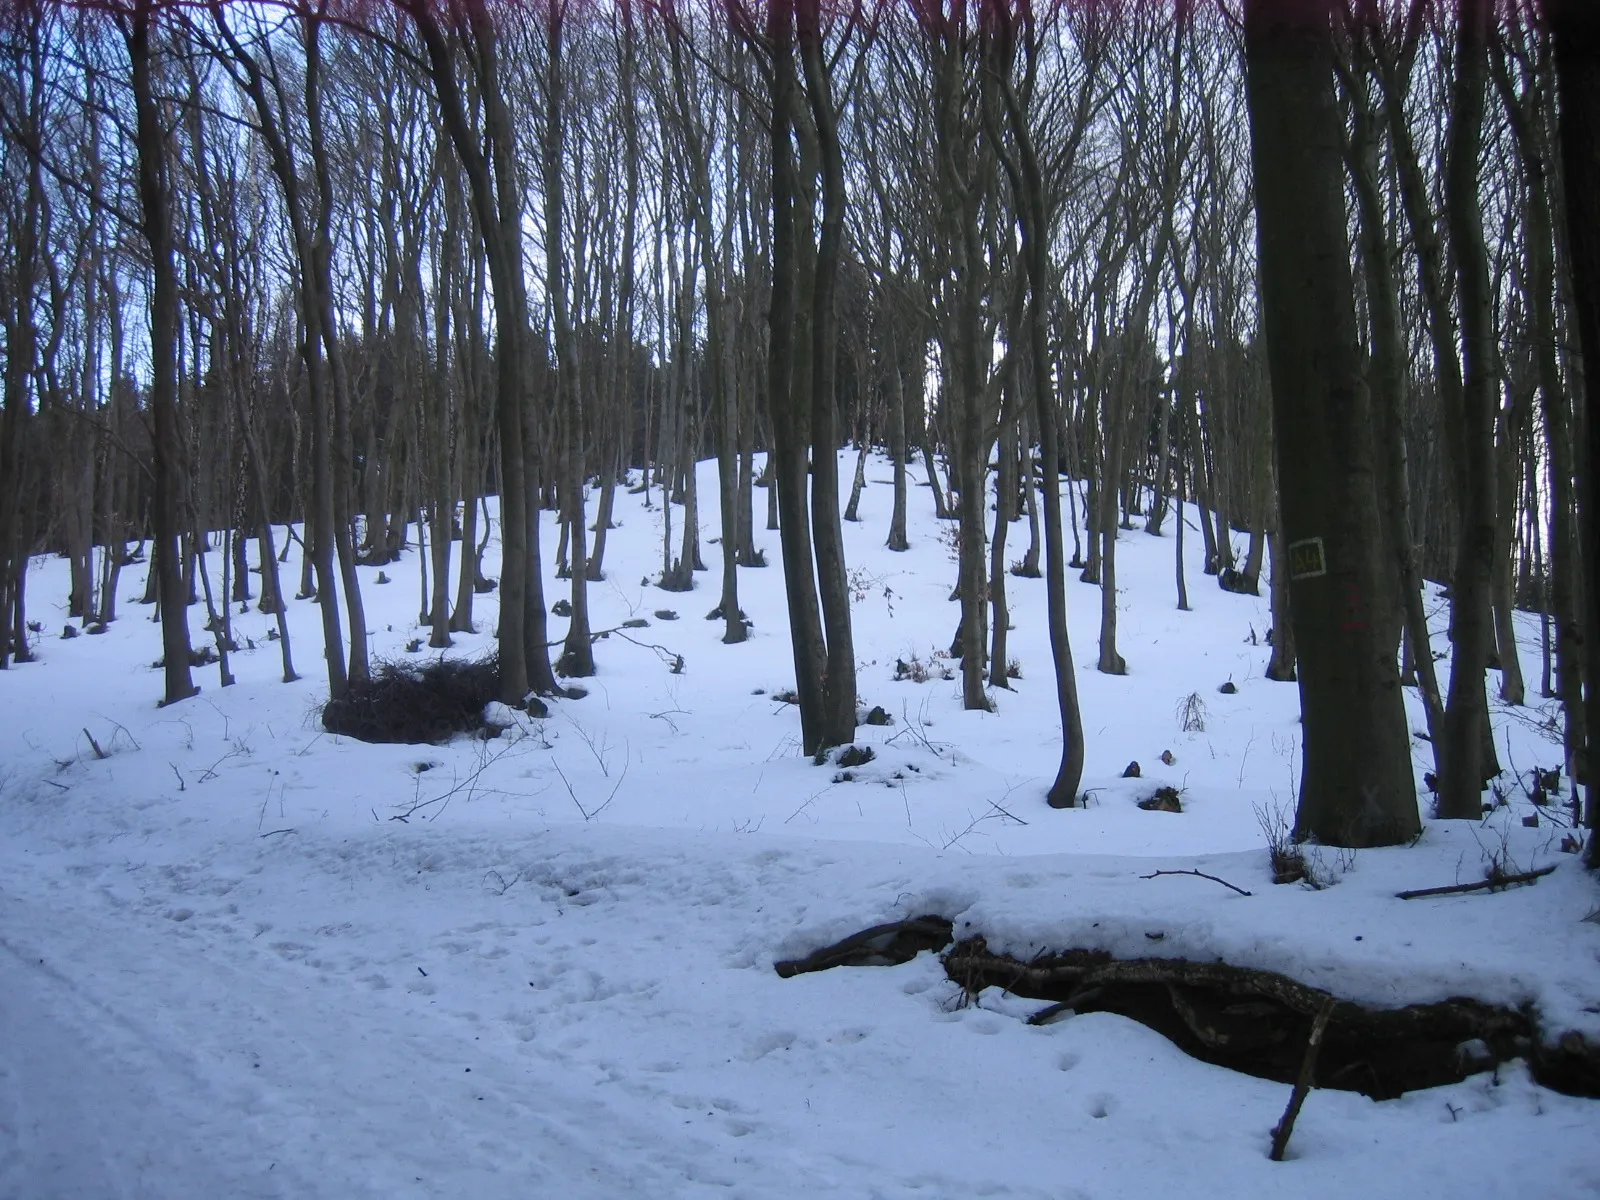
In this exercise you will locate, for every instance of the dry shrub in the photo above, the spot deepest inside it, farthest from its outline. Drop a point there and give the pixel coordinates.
(411, 703)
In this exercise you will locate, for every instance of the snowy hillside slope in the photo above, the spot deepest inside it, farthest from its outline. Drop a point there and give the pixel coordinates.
(231, 969)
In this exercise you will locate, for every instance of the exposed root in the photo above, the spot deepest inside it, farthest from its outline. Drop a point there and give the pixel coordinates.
(881, 946)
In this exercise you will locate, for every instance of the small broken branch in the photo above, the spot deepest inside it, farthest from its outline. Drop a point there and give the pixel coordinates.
(94, 745)
(1308, 1066)
(673, 661)
(1496, 880)
(1202, 875)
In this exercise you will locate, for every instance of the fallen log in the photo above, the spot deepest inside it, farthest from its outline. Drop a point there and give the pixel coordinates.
(1244, 1018)
(1258, 1021)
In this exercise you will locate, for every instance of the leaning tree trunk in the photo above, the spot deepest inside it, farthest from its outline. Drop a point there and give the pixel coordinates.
(1028, 185)
(1386, 384)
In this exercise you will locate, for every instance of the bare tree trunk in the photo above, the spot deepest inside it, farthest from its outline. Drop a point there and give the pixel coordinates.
(1464, 768)
(1028, 185)
(897, 444)
(1005, 489)
(787, 459)
(839, 675)
(1564, 562)
(325, 327)
(1106, 505)
(167, 443)
(577, 652)
(1576, 26)
(1510, 420)
(1356, 782)
(1386, 383)
(21, 355)
(859, 480)
(524, 660)
(469, 365)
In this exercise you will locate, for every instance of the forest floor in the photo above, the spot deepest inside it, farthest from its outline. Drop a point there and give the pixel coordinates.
(232, 970)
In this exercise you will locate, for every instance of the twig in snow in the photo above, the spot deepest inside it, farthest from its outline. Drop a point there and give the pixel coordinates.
(470, 783)
(971, 825)
(1202, 875)
(809, 800)
(117, 727)
(211, 771)
(667, 715)
(501, 884)
(1496, 880)
(599, 751)
(94, 745)
(914, 730)
(275, 832)
(591, 814)
(1006, 813)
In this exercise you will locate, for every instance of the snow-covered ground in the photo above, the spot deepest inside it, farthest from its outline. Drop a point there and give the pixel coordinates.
(230, 971)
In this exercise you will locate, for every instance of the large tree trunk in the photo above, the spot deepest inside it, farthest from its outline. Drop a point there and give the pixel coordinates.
(787, 461)
(21, 353)
(497, 203)
(1576, 24)
(1463, 767)
(1356, 784)
(839, 677)
(320, 294)
(166, 440)
(577, 652)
